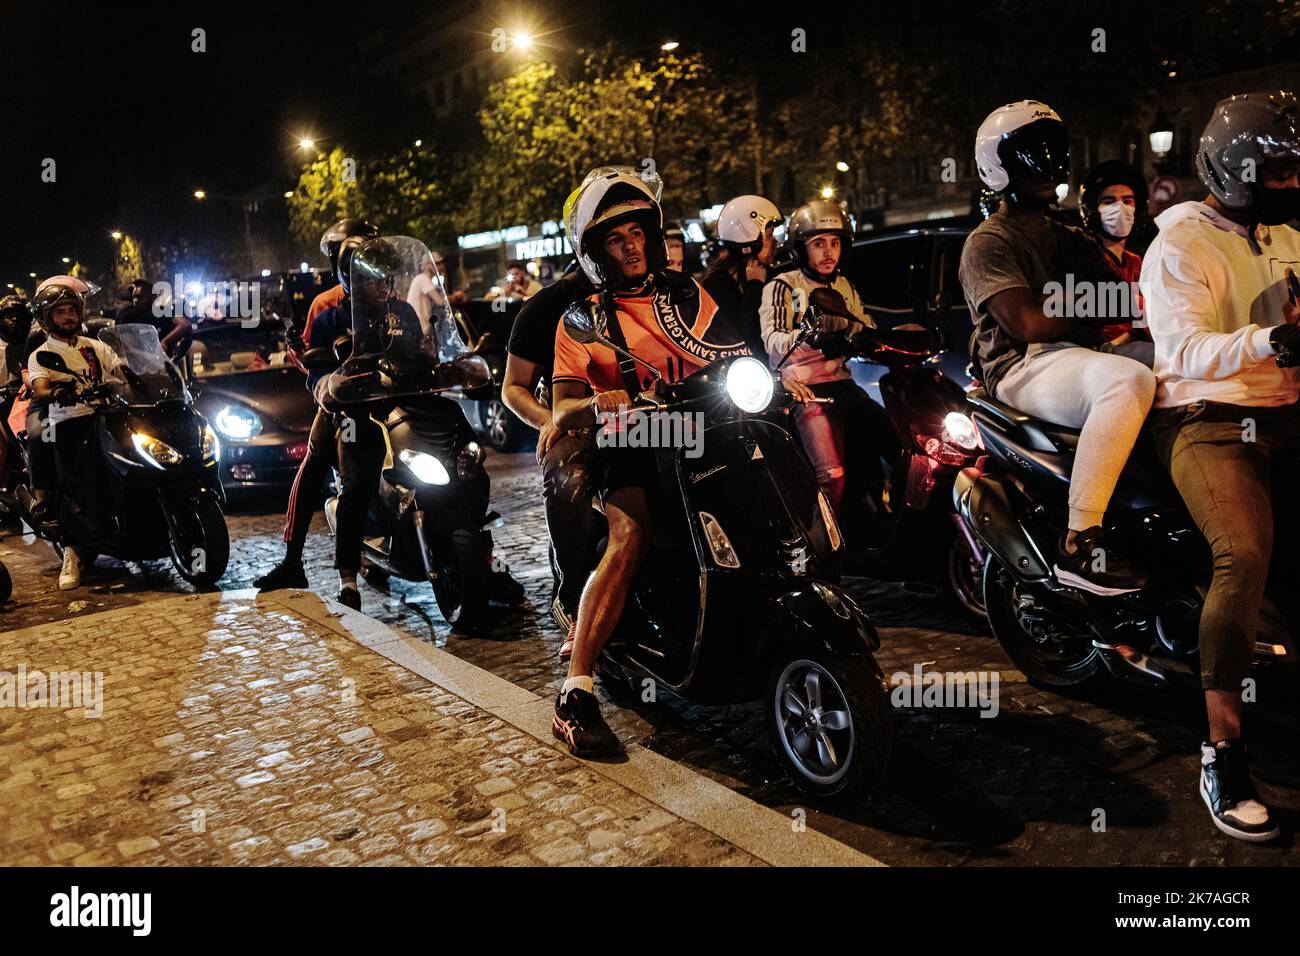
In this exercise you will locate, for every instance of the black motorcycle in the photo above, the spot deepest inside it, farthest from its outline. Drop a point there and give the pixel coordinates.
(737, 598)
(146, 486)
(1016, 502)
(430, 518)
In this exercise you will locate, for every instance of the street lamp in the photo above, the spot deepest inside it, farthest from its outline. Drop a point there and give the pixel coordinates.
(289, 194)
(522, 41)
(828, 192)
(306, 142)
(66, 260)
(1161, 135)
(200, 194)
(669, 46)
(115, 234)
(842, 166)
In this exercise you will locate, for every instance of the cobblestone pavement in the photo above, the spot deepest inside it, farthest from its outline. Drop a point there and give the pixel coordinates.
(249, 732)
(1022, 788)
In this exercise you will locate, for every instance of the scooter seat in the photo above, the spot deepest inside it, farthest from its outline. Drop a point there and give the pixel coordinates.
(1042, 435)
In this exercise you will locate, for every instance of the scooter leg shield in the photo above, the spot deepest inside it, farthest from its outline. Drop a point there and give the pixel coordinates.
(985, 504)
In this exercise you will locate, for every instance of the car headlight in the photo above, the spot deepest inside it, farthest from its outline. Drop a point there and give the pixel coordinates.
(749, 384)
(155, 452)
(425, 467)
(237, 423)
(960, 430)
(211, 444)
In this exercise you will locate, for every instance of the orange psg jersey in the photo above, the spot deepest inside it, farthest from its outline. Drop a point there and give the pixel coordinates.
(657, 331)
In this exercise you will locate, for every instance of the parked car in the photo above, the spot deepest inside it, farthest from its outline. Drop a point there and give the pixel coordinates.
(908, 274)
(255, 399)
(485, 326)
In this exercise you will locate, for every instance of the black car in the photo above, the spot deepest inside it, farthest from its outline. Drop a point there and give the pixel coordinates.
(255, 399)
(908, 274)
(485, 327)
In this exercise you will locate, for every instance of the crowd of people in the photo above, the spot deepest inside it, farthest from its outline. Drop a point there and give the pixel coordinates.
(1218, 313)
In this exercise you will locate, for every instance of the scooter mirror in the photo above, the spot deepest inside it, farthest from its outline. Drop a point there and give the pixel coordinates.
(52, 361)
(583, 322)
(831, 302)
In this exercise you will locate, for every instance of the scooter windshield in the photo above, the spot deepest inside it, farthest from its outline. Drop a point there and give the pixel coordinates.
(405, 338)
(146, 377)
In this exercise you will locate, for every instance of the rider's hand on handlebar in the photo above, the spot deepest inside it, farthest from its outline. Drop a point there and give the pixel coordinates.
(798, 391)
(611, 401)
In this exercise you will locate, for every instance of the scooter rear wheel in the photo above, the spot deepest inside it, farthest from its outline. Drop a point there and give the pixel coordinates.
(829, 722)
(1061, 657)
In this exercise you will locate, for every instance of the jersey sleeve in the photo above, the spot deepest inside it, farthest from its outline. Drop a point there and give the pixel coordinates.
(571, 359)
(778, 319)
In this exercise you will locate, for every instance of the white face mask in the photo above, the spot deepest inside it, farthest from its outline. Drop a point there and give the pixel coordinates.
(1117, 219)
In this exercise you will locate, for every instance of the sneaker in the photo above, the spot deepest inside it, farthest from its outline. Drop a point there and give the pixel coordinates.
(286, 574)
(1230, 794)
(1096, 568)
(502, 588)
(70, 575)
(579, 724)
(566, 649)
(349, 596)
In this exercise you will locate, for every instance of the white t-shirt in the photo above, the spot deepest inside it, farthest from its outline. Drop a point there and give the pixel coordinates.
(1212, 303)
(77, 357)
(4, 364)
(424, 296)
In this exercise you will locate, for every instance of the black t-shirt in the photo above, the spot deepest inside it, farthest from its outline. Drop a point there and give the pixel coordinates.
(532, 337)
(142, 314)
(737, 318)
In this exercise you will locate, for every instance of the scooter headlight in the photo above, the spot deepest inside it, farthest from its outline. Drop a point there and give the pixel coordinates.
(211, 444)
(961, 431)
(425, 467)
(238, 423)
(749, 384)
(155, 452)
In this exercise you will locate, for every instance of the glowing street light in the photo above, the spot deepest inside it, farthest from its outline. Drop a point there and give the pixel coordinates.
(669, 46)
(200, 194)
(842, 166)
(289, 194)
(522, 41)
(32, 274)
(66, 259)
(828, 192)
(419, 143)
(115, 234)
(306, 142)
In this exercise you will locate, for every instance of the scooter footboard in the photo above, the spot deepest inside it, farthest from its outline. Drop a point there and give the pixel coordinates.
(984, 501)
(818, 614)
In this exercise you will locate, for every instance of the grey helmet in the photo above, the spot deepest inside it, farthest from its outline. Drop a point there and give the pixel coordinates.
(1246, 132)
(810, 220)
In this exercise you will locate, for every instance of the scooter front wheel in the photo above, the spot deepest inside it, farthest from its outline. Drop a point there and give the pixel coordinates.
(200, 541)
(1050, 652)
(828, 718)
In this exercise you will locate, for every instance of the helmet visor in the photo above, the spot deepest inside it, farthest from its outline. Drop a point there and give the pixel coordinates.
(1039, 152)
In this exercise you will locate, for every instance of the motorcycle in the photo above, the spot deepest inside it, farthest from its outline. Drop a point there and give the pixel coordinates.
(430, 518)
(737, 597)
(905, 526)
(1016, 502)
(152, 458)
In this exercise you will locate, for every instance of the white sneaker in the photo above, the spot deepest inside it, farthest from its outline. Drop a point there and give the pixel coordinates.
(70, 576)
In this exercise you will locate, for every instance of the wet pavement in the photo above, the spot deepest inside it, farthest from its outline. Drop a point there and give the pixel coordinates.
(1107, 778)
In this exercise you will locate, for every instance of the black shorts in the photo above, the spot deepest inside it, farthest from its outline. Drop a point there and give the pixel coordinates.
(629, 468)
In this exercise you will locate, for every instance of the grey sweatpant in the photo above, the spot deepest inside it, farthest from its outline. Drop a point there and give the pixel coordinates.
(1106, 395)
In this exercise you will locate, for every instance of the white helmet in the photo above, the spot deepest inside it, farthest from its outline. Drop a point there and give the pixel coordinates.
(612, 195)
(1026, 138)
(743, 221)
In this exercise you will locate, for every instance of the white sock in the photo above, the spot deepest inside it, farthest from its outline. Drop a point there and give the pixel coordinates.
(581, 682)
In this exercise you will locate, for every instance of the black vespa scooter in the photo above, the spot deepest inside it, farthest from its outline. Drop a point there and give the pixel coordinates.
(1016, 501)
(146, 485)
(737, 598)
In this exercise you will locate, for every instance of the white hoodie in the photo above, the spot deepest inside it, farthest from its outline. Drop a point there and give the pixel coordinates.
(1211, 303)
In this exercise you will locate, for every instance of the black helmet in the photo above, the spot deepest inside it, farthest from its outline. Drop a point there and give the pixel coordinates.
(1101, 177)
(335, 234)
(674, 230)
(15, 318)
